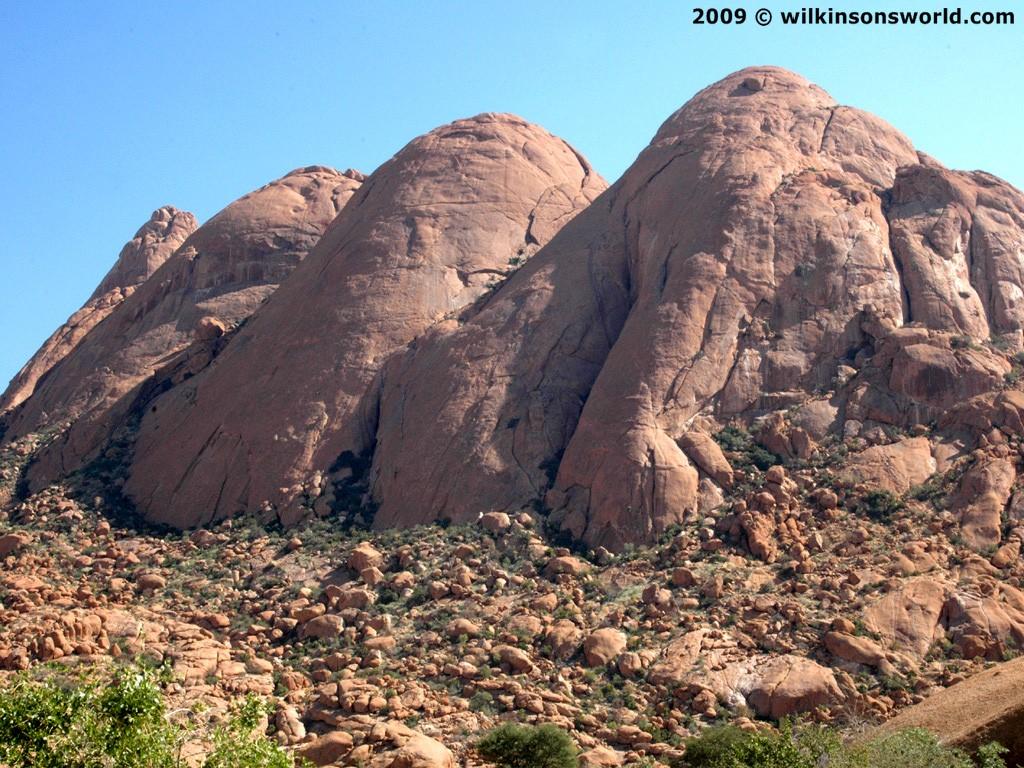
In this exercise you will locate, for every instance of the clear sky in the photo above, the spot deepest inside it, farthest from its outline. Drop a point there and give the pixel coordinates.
(114, 108)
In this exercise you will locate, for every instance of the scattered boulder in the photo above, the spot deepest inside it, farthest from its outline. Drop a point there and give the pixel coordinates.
(603, 646)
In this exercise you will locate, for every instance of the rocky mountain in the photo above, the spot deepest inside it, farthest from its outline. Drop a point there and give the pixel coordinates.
(735, 438)
(211, 283)
(772, 258)
(155, 241)
(765, 240)
(286, 414)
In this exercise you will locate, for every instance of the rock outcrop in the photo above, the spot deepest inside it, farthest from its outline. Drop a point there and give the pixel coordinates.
(460, 341)
(222, 271)
(985, 708)
(739, 264)
(152, 245)
(728, 270)
(290, 407)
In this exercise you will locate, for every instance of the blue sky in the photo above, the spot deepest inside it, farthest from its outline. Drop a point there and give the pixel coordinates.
(113, 109)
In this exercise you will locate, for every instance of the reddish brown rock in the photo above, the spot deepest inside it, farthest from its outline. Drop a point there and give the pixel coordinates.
(648, 316)
(790, 684)
(12, 543)
(327, 749)
(897, 467)
(152, 245)
(984, 493)
(771, 260)
(951, 234)
(427, 235)
(908, 619)
(224, 270)
(860, 650)
(603, 646)
(708, 456)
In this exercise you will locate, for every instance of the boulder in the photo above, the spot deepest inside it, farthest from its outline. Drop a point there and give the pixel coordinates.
(984, 492)
(703, 451)
(788, 685)
(327, 749)
(603, 646)
(896, 467)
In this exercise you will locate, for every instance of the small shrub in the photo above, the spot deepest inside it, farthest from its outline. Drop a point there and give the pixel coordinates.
(239, 744)
(991, 755)
(747, 452)
(815, 746)
(482, 702)
(880, 505)
(912, 748)
(789, 747)
(525, 746)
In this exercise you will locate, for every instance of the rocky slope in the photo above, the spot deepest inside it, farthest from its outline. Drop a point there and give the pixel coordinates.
(765, 239)
(293, 399)
(217, 277)
(152, 245)
(770, 256)
(846, 612)
(736, 438)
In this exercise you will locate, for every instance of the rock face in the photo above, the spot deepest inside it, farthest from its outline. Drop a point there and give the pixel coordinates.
(985, 708)
(772, 261)
(743, 258)
(223, 271)
(710, 276)
(427, 234)
(152, 245)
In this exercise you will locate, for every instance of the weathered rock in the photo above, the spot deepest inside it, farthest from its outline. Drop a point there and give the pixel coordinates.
(152, 245)
(423, 752)
(518, 661)
(326, 627)
(897, 467)
(364, 556)
(224, 269)
(908, 619)
(496, 522)
(707, 455)
(600, 757)
(603, 645)
(981, 500)
(648, 322)
(860, 650)
(12, 543)
(791, 684)
(564, 639)
(566, 564)
(425, 236)
(328, 748)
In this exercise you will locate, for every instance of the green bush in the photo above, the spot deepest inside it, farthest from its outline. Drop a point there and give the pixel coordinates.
(526, 746)
(120, 723)
(53, 725)
(239, 744)
(746, 452)
(912, 748)
(730, 747)
(880, 505)
(816, 746)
